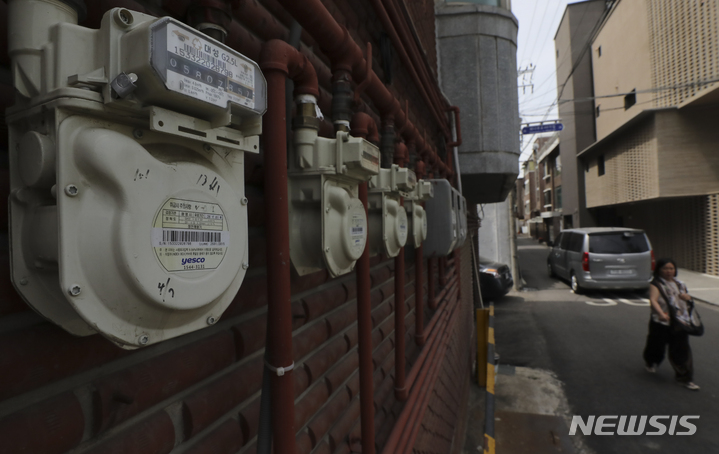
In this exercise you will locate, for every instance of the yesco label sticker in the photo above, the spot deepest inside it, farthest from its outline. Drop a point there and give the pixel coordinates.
(358, 225)
(189, 235)
(202, 70)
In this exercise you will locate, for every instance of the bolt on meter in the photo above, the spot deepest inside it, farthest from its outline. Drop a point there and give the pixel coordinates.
(387, 218)
(416, 215)
(128, 208)
(329, 218)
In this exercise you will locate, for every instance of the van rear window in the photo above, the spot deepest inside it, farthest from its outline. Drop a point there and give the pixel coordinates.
(618, 243)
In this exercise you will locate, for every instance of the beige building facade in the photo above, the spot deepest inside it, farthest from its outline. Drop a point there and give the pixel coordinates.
(655, 164)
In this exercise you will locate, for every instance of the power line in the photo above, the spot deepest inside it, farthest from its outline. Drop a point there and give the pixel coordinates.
(715, 79)
(648, 90)
(546, 3)
(531, 24)
(548, 32)
(592, 113)
(568, 52)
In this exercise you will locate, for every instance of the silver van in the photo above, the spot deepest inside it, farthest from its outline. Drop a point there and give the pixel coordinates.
(610, 258)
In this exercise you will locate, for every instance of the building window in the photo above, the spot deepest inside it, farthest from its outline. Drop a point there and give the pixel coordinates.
(558, 197)
(548, 198)
(546, 169)
(630, 99)
(558, 165)
(600, 165)
(597, 112)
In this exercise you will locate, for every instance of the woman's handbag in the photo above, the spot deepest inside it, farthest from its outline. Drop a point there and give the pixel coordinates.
(694, 326)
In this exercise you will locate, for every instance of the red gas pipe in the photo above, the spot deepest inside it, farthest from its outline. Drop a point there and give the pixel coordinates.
(279, 61)
(362, 125)
(418, 284)
(345, 54)
(400, 308)
(402, 436)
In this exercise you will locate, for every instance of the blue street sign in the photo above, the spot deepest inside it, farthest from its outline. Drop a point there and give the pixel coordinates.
(542, 128)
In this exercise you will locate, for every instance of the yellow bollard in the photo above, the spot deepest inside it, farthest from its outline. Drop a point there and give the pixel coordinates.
(482, 316)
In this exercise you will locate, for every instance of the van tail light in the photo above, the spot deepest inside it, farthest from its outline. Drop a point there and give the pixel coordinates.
(585, 261)
(654, 261)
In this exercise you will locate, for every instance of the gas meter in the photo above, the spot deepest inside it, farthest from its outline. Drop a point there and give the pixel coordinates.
(387, 218)
(442, 219)
(329, 218)
(416, 215)
(461, 211)
(128, 208)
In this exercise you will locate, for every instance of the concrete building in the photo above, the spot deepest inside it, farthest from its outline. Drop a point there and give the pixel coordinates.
(575, 106)
(549, 174)
(654, 164)
(477, 53)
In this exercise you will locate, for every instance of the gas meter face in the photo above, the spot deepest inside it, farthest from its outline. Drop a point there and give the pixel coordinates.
(387, 217)
(193, 65)
(156, 236)
(417, 220)
(151, 234)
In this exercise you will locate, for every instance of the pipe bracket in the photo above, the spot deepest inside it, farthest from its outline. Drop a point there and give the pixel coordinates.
(280, 371)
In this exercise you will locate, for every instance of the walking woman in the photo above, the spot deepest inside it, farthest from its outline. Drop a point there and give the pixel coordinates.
(666, 290)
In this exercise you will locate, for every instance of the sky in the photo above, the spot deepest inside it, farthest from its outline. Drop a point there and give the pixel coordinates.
(538, 22)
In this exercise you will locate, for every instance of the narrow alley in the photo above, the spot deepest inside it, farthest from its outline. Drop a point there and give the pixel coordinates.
(593, 345)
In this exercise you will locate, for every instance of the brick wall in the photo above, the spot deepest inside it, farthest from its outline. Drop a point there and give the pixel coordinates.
(200, 393)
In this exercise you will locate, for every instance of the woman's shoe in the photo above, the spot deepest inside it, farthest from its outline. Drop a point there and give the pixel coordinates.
(690, 385)
(651, 368)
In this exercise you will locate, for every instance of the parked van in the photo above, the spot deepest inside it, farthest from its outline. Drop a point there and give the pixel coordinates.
(610, 258)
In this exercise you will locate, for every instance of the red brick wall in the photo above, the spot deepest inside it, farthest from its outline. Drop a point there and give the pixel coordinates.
(422, 14)
(60, 393)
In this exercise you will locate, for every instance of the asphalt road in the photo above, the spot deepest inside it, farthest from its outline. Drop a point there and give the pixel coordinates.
(594, 343)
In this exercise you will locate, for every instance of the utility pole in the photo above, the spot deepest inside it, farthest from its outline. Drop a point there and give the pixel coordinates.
(513, 239)
(526, 74)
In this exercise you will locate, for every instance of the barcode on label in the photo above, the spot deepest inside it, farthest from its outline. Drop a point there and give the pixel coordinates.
(191, 236)
(357, 230)
(216, 62)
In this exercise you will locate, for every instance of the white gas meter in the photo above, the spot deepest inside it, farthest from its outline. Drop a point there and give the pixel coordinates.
(416, 215)
(128, 209)
(442, 220)
(327, 219)
(387, 218)
(461, 211)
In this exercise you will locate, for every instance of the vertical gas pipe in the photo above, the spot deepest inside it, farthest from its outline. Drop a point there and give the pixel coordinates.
(400, 308)
(430, 271)
(278, 61)
(419, 338)
(361, 125)
(442, 271)
(211, 17)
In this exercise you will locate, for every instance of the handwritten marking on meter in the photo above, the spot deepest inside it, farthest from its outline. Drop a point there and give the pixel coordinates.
(358, 226)
(188, 235)
(202, 70)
